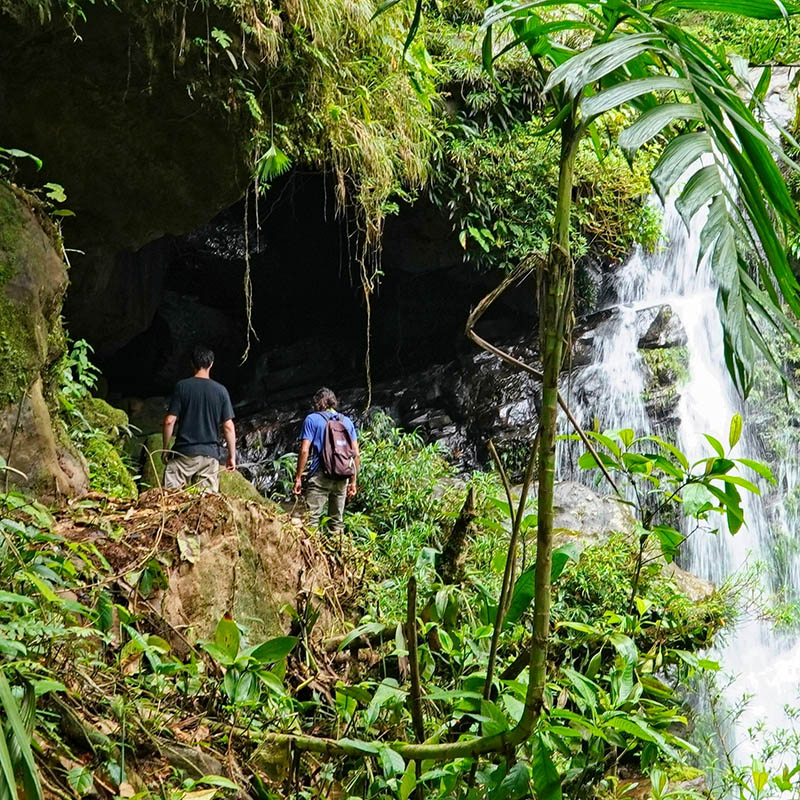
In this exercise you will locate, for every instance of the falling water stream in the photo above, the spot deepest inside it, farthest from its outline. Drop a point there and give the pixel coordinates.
(611, 389)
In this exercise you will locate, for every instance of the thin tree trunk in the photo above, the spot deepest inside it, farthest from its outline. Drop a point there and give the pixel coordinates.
(554, 307)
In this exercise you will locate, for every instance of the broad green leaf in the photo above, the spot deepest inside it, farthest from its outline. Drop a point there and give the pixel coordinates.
(387, 693)
(218, 654)
(652, 122)
(274, 649)
(546, 780)
(696, 498)
(699, 191)
(679, 154)
(625, 646)
(715, 443)
(737, 481)
(494, 719)
(586, 689)
(227, 636)
(81, 780)
(364, 747)
(105, 612)
(392, 762)
(370, 627)
(628, 90)
(670, 541)
(219, 780)
(757, 9)
(561, 557)
(409, 781)
(761, 469)
(598, 61)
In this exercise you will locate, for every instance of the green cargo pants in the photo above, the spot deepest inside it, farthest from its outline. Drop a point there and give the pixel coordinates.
(321, 489)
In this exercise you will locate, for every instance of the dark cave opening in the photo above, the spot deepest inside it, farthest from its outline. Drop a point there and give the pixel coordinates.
(308, 311)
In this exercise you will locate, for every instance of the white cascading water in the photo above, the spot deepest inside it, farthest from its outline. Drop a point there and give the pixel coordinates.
(610, 390)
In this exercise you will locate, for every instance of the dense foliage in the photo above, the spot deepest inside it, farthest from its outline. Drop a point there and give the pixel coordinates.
(611, 686)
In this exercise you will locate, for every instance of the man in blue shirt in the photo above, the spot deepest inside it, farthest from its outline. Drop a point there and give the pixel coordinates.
(321, 488)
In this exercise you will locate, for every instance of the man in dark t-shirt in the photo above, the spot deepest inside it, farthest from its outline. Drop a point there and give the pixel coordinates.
(199, 406)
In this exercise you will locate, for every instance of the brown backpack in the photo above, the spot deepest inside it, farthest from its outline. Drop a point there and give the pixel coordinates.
(338, 456)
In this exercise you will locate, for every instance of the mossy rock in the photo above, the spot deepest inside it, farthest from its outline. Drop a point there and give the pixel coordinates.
(152, 463)
(104, 417)
(108, 472)
(234, 484)
(33, 279)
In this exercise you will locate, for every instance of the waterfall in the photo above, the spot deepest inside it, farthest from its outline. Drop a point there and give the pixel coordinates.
(612, 389)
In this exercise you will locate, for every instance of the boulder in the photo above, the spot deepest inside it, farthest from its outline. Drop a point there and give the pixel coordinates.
(663, 328)
(245, 559)
(41, 458)
(586, 518)
(33, 278)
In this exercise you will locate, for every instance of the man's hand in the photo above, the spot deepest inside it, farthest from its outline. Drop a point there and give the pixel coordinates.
(298, 485)
(351, 489)
(230, 464)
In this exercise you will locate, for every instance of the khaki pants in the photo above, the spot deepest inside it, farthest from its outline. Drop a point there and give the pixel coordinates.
(321, 489)
(198, 470)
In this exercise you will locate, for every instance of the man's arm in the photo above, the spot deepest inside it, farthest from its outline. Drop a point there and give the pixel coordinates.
(351, 487)
(229, 430)
(166, 433)
(302, 460)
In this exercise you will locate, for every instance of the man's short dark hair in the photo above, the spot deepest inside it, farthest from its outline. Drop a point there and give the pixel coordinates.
(202, 357)
(324, 399)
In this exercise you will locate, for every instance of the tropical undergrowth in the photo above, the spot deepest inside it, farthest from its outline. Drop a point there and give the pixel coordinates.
(110, 722)
(97, 429)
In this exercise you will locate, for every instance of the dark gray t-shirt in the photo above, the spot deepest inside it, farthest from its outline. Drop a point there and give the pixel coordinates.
(200, 405)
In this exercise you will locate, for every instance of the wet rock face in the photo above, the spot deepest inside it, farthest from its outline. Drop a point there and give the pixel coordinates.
(461, 405)
(139, 158)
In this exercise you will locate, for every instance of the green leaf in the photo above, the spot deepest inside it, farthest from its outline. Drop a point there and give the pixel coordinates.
(55, 192)
(218, 654)
(81, 780)
(625, 646)
(30, 774)
(387, 693)
(670, 541)
(715, 443)
(364, 747)
(219, 780)
(274, 649)
(546, 780)
(699, 191)
(652, 122)
(761, 469)
(495, 720)
(20, 599)
(273, 164)
(757, 9)
(586, 689)
(13, 152)
(735, 430)
(409, 781)
(628, 90)
(598, 61)
(561, 557)
(227, 636)
(105, 612)
(696, 498)
(679, 154)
